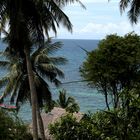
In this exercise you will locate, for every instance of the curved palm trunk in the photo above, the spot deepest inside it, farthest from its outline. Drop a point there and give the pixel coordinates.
(40, 122)
(33, 94)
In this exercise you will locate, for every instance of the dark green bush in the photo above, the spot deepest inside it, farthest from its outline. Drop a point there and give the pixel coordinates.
(65, 129)
(12, 128)
(69, 129)
(103, 125)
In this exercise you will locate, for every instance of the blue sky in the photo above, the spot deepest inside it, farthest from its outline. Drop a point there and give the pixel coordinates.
(99, 19)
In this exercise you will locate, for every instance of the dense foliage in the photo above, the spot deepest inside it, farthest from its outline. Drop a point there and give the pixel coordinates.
(12, 128)
(114, 69)
(114, 66)
(45, 67)
(104, 125)
(28, 22)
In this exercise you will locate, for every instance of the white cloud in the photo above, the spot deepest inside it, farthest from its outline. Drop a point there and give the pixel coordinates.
(105, 28)
(101, 30)
(100, 19)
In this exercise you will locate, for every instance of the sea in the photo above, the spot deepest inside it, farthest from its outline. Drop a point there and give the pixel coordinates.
(89, 99)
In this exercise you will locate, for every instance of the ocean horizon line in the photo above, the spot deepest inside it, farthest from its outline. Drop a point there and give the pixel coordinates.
(75, 39)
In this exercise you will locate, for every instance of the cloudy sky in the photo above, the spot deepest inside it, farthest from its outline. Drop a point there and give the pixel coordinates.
(99, 19)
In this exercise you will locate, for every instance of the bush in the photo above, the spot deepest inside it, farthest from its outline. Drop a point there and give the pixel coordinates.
(12, 128)
(69, 129)
(65, 129)
(103, 125)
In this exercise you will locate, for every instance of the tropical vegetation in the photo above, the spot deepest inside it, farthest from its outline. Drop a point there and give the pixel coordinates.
(103, 125)
(134, 9)
(15, 82)
(28, 22)
(68, 103)
(12, 128)
(114, 67)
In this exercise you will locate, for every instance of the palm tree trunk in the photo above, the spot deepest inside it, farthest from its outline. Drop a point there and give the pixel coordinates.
(33, 94)
(40, 122)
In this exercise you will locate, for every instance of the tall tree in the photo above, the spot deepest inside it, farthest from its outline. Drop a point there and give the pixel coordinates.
(29, 21)
(114, 66)
(44, 66)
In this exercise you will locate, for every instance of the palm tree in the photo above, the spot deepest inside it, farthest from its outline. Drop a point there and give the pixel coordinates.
(44, 66)
(67, 103)
(29, 21)
(133, 12)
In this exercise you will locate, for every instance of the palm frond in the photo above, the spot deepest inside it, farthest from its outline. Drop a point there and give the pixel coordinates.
(41, 58)
(4, 81)
(134, 11)
(45, 59)
(16, 86)
(45, 51)
(68, 103)
(43, 91)
(62, 99)
(62, 3)
(70, 100)
(58, 60)
(7, 56)
(73, 108)
(3, 16)
(23, 91)
(52, 48)
(58, 15)
(8, 89)
(48, 69)
(4, 64)
(57, 82)
(124, 4)
(11, 82)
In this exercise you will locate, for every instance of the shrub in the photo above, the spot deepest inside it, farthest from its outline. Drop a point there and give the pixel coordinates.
(69, 129)
(103, 125)
(12, 128)
(65, 129)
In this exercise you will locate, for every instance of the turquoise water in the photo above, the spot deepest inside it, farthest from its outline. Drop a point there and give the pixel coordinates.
(88, 98)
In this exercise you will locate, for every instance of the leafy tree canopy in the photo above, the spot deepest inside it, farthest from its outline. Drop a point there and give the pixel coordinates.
(114, 65)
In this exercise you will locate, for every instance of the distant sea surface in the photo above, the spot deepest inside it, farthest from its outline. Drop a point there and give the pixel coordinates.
(88, 98)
